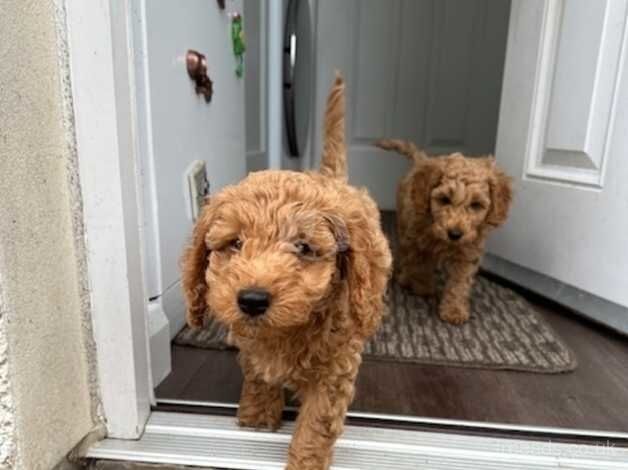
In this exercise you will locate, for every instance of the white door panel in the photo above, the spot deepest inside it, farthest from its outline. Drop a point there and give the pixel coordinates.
(424, 70)
(562, 136)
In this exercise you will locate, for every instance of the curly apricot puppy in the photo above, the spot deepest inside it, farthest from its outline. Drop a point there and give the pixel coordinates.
(446, 207)
(296, 266)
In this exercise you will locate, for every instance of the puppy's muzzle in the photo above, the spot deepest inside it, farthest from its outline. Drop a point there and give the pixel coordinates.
(253, 302)
(454, 234)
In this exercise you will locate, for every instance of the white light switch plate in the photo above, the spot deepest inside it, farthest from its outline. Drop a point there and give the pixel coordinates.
(197, 187)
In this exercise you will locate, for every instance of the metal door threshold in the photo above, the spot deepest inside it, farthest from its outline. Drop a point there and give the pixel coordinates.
(539, 432)
(216, 441)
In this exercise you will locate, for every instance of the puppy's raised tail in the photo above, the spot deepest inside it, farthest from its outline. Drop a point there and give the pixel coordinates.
(334, 160)
(404, 147)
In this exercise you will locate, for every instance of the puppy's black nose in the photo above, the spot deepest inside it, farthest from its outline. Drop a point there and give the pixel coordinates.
(454, 234)
(253, 302)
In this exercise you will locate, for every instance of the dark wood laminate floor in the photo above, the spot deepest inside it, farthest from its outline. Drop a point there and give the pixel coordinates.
(594, 396)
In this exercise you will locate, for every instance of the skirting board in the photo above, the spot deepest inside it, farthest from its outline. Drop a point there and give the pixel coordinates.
(159, 343)
(166, 317)
(588, 305)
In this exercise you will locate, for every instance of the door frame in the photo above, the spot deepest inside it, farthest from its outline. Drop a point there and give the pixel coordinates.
(107, 105)
(100, 43)
(100, 46)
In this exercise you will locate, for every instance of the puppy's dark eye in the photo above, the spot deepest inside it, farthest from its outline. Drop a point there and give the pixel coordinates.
(476, 206)
(444, 200)
(303, 248)
(235, 244)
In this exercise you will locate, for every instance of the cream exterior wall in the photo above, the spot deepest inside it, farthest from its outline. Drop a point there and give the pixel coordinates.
(48, 389)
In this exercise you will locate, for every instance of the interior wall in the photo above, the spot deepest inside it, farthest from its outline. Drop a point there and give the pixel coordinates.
(48, 390)
(176, 127)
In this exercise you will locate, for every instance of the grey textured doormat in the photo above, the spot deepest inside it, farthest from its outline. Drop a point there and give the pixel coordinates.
(504, 332)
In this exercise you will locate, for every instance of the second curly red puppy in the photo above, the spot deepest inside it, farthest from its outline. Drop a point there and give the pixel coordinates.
(446, 206)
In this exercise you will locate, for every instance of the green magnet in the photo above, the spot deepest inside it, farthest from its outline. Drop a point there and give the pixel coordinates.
(239, 43)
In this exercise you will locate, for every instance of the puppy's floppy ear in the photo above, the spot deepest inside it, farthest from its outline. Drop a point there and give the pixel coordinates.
(501, 196)
(341, 235)
(193, 266)
(425, 179)
(368, 270)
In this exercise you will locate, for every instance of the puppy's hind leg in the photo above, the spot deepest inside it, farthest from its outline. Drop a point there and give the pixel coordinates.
(261, 404)
(416, 271)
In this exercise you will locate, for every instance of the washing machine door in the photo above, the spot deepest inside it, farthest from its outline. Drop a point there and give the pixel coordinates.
(297, 74)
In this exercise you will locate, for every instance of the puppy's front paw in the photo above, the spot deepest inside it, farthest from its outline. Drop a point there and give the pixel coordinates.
(265, 419)
(453, 313)
(261, 418)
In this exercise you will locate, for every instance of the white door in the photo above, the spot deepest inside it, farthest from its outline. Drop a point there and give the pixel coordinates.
(425, 70)
(563, 137)
(179, 127)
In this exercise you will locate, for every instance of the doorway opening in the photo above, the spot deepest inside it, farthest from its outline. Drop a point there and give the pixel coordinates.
(430, 72)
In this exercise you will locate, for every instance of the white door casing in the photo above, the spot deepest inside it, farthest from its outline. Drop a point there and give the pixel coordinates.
(263, 23)
(255, 84)
(425, 70)
(562, 136)
(103, 94)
